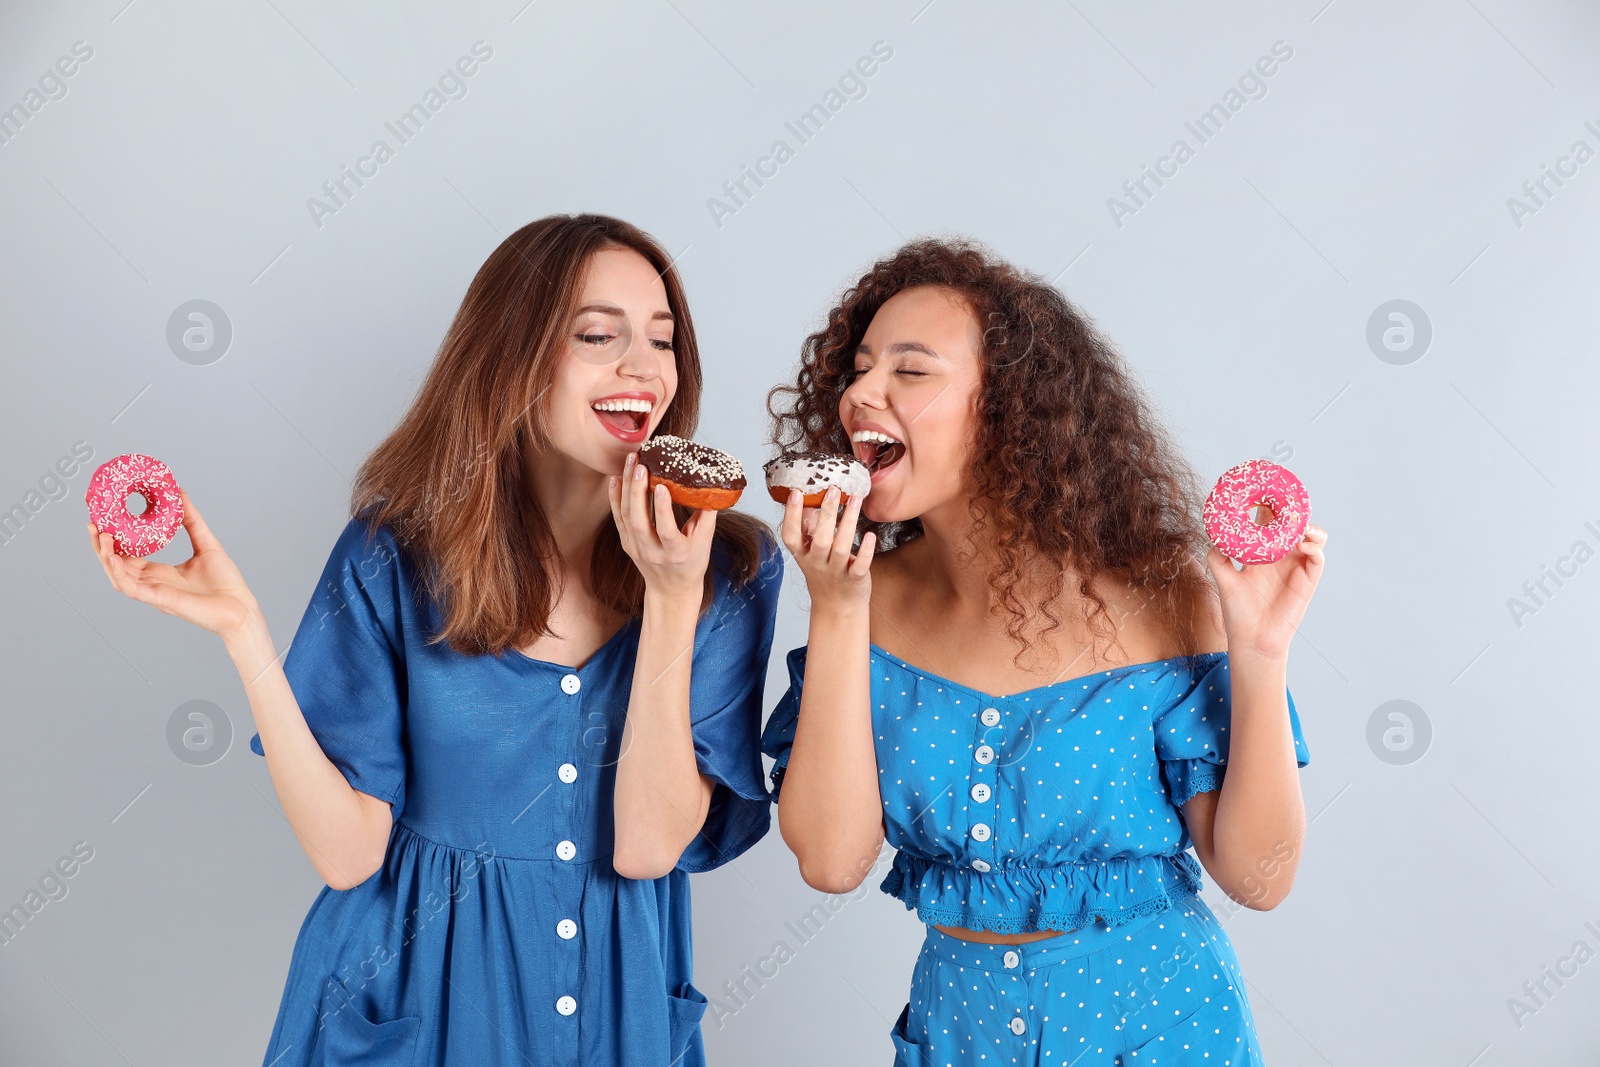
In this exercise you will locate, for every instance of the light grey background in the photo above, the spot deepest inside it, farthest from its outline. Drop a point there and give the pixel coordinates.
(1377, 166)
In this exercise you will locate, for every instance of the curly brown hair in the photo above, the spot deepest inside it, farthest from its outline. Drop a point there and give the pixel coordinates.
(1071, 471)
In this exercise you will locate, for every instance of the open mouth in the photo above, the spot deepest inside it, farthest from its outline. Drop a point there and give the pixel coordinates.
(876, 451)
(626, 417)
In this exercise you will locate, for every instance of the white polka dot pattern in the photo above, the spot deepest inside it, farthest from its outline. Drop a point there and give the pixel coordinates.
(1052, 808)
(1056, 808)
(1165, 990)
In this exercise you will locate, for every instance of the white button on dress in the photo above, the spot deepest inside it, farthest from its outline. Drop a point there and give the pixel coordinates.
(567, 773)
(984, 754)
(566, 929)
(566, 850)
(1017, 1025)
(980, 793)
(571, 684)
(566, 1006)
(980, 866)
(991, 716)
(980, 831)
(1012, 959)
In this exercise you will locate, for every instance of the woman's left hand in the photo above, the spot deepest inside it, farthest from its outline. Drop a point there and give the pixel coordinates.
(1263, 604)
(673, 561)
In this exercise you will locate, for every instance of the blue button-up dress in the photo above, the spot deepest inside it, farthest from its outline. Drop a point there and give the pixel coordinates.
(497, 931)
(1055, 808)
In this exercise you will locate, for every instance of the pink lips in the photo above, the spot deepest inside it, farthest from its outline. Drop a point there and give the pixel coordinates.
(633, 437)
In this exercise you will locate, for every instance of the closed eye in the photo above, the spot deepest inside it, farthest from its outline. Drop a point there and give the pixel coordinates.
(849, 376)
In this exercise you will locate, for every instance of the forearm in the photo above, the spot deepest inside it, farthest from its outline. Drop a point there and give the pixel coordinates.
(831, 813)
(1259, 824)
(343, 831)
(660, 798)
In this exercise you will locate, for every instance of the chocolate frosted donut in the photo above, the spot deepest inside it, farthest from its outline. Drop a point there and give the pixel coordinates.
(696, 475)
(813, 473)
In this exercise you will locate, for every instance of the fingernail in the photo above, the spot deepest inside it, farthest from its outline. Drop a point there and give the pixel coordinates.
(638, 473)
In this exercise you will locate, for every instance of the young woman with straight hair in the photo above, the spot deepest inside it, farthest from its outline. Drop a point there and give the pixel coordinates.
(524, 701)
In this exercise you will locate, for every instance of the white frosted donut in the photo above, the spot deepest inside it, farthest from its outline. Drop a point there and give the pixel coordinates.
(813, 473)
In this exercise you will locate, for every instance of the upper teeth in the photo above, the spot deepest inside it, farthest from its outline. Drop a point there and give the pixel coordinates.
(622, 404)
(874, 436)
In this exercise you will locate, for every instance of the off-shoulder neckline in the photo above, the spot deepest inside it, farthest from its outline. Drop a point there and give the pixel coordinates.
(914, 669)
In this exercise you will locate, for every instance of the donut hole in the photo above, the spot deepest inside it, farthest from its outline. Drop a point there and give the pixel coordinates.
(1262, 515)
(137, 503)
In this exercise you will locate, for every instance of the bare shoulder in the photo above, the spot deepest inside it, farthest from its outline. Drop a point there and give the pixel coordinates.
(1206, 616)
(1201, 629)
(1187, 625)
(1209, 634)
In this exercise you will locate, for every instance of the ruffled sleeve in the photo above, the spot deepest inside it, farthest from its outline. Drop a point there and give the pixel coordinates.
(726, 686)
(778, 736)
(1192, 734)
(346, 664)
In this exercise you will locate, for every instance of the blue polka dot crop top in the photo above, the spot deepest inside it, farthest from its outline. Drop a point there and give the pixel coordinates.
(1049, 809)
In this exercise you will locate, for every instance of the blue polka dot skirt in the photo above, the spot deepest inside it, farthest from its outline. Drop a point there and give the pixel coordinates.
(1164, 989)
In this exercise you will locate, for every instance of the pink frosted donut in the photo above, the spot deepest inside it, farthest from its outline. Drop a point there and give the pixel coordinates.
(135, 535)
(1230, 525)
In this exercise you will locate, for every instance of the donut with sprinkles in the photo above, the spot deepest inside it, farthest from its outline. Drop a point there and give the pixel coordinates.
(1229, 512)
(111, 486)
(696, 475)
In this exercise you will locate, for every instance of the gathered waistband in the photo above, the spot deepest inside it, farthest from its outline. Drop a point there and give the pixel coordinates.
(1066, 896)
(1043, 952)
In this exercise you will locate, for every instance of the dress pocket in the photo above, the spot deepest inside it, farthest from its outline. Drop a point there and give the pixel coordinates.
(684, 1011)
(908, 1053)
(348, 1037)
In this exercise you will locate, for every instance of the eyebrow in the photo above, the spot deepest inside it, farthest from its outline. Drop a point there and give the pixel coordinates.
(612, 309)
(899, 347)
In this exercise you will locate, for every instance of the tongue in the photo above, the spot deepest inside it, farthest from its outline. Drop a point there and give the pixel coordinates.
(626, 421)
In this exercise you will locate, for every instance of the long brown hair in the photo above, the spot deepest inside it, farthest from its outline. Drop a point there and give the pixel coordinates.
(1070, 469)
(450, 480)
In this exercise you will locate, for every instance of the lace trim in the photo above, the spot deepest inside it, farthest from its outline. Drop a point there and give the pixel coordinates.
(1197, 782)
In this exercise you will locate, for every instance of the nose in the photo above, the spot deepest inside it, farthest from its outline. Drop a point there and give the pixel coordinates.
(867, 390)
(640, 359)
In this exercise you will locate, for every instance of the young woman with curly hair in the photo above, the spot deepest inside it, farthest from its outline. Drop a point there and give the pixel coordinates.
(1035, 691)
(523, 703)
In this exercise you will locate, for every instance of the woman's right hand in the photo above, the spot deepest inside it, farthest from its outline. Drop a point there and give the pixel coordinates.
(821, 545)
(207, 589)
